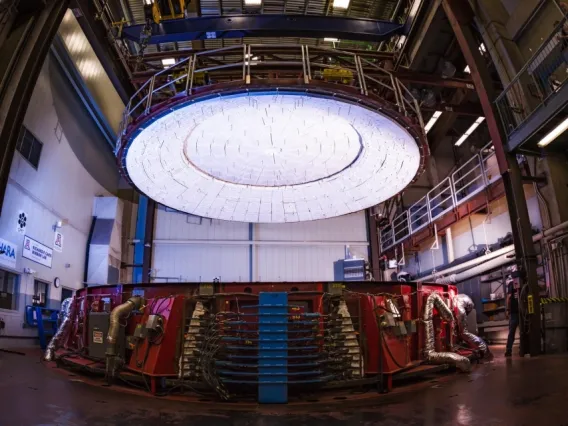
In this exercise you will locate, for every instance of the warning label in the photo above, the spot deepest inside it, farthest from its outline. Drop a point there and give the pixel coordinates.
(97, 337)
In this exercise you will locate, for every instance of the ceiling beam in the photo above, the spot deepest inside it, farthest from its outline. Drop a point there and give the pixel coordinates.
(213, 27)
(434, 80)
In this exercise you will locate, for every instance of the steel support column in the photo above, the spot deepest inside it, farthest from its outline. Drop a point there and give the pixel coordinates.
(22, 55)
(374, 249)
(460, 16)
(143, 238)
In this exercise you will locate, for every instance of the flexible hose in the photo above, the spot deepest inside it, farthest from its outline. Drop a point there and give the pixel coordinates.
(116, 315)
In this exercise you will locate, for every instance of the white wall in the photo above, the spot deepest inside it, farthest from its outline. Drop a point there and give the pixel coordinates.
(302, 251)
(60, 189)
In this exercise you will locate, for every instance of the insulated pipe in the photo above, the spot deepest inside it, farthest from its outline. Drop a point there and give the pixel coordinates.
(492, 255)
(435, 301)
(450, 245)
(135, 302)
(477, 270)
(65, 315)
(464, 306)
(470, 263)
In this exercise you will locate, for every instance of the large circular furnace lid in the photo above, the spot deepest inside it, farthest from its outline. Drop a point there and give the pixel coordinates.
(271, 157)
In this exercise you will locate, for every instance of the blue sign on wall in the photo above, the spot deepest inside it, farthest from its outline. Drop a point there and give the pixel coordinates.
(8, 254)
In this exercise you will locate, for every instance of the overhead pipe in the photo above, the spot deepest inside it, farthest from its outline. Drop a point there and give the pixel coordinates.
(485, 258)
(477, 270)
(436, 301)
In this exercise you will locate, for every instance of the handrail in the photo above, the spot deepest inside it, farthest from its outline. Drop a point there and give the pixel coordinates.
(193, 70)
(538, 80)
(554, 33)
(425, 211)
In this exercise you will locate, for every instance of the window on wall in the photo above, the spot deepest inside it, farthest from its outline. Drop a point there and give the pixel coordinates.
(40, 293)
(29, 146)
(8, 290)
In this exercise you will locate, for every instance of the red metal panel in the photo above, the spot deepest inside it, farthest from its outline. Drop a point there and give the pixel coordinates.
(157, 356)
(384, 348)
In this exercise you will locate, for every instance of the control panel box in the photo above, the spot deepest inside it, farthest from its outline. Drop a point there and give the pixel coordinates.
(97, 335)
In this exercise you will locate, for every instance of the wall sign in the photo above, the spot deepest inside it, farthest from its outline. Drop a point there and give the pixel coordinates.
(22, 222)
(37, 252)
(8, 254)
(58, 241)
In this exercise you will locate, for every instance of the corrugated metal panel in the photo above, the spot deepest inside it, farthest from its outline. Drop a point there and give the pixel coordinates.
(213, 43)
(232, 7)
(202, 262)
(295, 6)
(170, 225)
(271, 262)
(359, 8)
(316, 7)
(301, 263)
(273, 6)
(137, 10)
(351, 227)
(209, 7)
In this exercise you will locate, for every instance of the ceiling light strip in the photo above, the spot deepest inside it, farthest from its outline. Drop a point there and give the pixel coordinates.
(557, 131)
(470, 131)
(432, 121)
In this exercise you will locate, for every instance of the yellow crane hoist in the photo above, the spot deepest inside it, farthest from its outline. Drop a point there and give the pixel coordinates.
(338, 74)
(164, 10)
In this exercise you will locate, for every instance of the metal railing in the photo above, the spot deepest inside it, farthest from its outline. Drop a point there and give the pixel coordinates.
(247, 62)
(541, 77)
(471, 178)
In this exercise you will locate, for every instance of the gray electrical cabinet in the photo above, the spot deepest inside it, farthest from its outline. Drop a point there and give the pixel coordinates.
(97, 335)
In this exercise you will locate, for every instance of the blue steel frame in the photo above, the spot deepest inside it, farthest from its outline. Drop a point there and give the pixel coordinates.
(213, 27)
(138, 270)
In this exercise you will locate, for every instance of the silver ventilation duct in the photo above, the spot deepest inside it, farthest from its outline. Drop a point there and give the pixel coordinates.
(464, 305)
(435, 301)
(64, 320)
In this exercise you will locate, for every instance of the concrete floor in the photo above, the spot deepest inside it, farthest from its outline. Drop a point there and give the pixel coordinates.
(506, 392)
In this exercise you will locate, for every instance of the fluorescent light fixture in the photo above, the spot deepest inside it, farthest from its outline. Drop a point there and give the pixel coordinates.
(295, 158)
(470, 130)
(168, 62)
(467, 70)
(482, 48)
(432, 121)
(331, 39)
(557, 131)
(341, 4)
(253, 2)
(148, 2)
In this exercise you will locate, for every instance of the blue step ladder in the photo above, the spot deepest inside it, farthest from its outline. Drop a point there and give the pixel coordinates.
(273, 348)
(45, 320)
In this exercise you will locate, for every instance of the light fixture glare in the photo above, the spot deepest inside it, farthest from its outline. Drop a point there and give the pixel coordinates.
(554, 133)
(341, 4)
(469, 131)
(432, 121)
